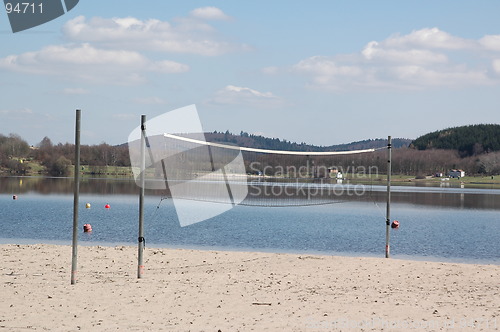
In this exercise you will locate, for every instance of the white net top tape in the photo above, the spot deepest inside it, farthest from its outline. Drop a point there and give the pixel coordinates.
(297, 153)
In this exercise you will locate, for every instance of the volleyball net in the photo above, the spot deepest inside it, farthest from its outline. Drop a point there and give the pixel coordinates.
(204, 177)
(188, 168)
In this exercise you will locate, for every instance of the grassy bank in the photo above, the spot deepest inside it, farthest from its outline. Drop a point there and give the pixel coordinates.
(34, 168)
(401, 179)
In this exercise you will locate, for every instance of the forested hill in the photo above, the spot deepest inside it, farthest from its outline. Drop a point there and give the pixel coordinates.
(467, 140)
(256, 141)
(371, 144)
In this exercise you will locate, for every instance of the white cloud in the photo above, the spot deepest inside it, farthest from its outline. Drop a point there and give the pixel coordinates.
(188, 35)
(325, 71)
(235, 95)
(209, 13)
(112, 50)
(490, 42)
(375, 51)
(247, 91)
(428, 38)
(85, 62)
(424, 58)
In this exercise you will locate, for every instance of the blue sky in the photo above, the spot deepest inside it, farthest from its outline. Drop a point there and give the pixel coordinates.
(321, 72)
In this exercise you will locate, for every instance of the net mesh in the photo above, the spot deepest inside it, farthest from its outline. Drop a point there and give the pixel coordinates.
(188, 167)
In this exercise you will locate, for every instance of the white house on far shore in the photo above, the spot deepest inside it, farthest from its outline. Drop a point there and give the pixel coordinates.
(456, 173)
(335, 173)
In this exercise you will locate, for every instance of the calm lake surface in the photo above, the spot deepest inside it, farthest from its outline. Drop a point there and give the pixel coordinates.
(437, 223)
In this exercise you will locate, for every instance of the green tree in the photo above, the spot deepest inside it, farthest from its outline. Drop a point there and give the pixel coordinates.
(59, 167)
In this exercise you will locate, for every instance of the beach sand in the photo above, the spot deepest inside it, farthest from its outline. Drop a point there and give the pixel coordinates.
(193, 290)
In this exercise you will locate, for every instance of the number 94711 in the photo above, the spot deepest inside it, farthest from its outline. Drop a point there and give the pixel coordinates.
(24, 8)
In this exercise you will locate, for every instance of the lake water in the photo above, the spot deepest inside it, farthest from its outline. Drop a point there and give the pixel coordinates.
(444, 224)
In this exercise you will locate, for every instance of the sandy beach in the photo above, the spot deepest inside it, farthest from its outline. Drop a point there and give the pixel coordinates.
(192, 290)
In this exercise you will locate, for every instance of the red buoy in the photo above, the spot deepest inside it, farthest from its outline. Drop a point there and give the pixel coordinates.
(395, 224)
(87, 228)
(107, 206)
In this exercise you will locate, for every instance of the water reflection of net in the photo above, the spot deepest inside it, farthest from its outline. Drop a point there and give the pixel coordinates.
(189, 168)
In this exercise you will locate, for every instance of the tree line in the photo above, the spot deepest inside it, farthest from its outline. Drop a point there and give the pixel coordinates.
(17, 156)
